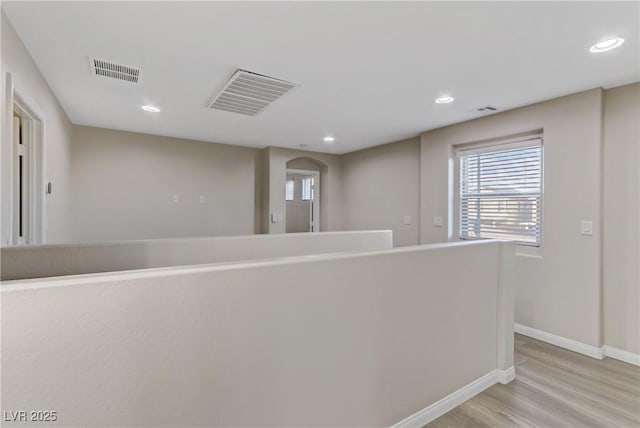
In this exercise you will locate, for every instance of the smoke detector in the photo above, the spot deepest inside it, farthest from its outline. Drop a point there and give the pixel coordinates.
(112, 70)
(249, 93)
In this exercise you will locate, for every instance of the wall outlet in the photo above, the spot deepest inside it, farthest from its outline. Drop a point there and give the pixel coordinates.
(175, 198)
(586, 227)
(437, 221)
(406, 220)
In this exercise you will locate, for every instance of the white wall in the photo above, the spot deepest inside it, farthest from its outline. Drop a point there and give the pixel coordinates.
(124, 182)
(621, 261)
(333, 340)
(559, 286)
(27, 262)
(30, 84)
(381, 187)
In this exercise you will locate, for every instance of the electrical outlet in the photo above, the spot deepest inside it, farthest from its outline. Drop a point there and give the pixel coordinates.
(437, 221)
(175, 198)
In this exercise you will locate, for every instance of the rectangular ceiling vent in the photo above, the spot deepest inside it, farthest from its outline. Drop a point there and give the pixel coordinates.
(112, 70)
(250, 93)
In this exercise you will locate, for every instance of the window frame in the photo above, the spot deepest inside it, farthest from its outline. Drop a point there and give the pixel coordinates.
(530, 140)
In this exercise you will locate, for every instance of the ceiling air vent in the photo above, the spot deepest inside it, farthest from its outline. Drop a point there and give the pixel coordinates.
(114, 71)
(250, 93)
(486, 109)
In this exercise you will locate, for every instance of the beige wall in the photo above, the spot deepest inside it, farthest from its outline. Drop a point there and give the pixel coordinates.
(559, 287)
(621, 259)
(381, 187)
(30, 84)
(43, 261)
(330, 167)
(364, 340)
(124, 182)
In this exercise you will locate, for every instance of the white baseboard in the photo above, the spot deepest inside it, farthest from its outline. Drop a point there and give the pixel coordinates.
(622, 355)
(456, 398)
(582, 348)
(563, 342)
(506, 376)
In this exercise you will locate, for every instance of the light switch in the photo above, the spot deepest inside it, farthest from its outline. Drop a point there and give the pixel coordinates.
(202, 199)
(175, 198)
(280, 217)
(586, 227)
(437, 221)
(406, 220)
(274, 217)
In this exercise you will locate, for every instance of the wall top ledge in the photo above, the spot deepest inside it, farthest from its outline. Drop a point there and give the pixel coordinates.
(195, 239)
(114, 277)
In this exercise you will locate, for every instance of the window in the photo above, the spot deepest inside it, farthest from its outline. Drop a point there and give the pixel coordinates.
(501, 192)
(288, 196)
(307, 188)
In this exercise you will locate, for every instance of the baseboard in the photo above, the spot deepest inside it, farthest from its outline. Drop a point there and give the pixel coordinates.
(582, 348)
(622, 355)
(506, 376)
(456, 398)
(563, 342)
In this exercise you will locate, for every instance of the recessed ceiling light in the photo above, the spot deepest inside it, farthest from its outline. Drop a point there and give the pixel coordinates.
(328, 139)
(606, 45)
(150, 108)
(446, 99)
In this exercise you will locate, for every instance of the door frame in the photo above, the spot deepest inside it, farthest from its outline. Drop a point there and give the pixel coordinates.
(314, 212)
(33, 133)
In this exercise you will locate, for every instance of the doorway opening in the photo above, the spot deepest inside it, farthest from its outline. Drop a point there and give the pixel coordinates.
(302, 195)
(26, 177)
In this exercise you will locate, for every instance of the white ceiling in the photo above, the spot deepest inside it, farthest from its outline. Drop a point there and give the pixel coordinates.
(368, 72)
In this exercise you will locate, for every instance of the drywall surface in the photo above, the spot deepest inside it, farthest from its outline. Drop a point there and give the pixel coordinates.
(73, 259)
(137, 186)
(621, 255)
(381, 190)
(559, 286)
(328, 340)
(32, 87)
(330, 167)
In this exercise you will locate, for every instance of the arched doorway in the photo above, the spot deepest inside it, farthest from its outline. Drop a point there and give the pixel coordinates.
(302, 196)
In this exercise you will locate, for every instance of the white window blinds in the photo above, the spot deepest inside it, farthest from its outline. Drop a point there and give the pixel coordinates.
(289, 190)
(501, 192)
(307, 188)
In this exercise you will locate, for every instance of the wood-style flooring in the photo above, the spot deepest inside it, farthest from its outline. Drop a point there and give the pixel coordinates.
(554, 388)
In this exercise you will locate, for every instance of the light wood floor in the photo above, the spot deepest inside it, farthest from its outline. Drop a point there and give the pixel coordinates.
(554, 388)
